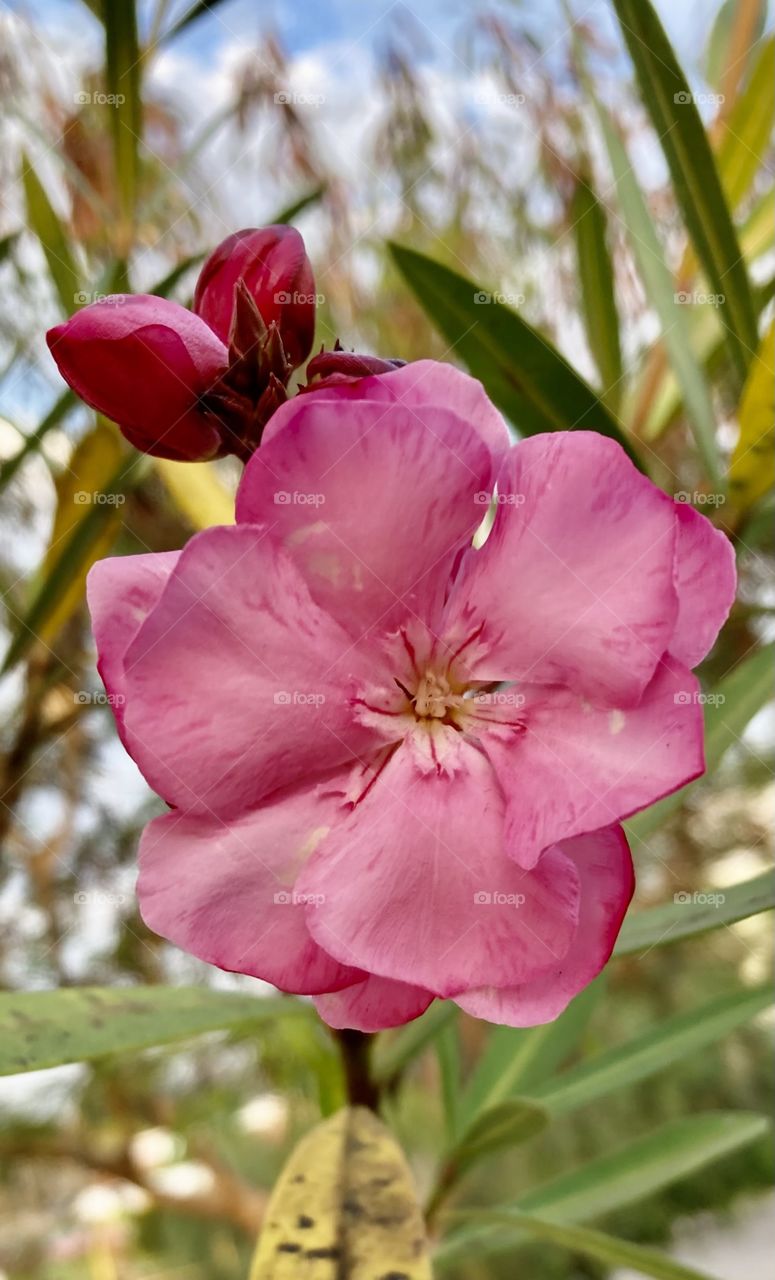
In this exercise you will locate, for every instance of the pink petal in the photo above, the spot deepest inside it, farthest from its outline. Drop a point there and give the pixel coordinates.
(373, 1005)
(705, 579)
(237, 683)
(121, 592)
(603, 862)
(144, 362)
(372, 501)
(420, 385)
(574, 584)
(225, 891)
(575, 767)
(418, 887)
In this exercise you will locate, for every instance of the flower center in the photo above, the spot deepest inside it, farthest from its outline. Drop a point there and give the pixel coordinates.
(435, 698)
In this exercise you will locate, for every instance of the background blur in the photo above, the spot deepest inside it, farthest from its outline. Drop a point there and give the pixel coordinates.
(471, 132)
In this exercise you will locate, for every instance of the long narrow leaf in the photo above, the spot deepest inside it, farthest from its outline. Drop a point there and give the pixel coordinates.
(122, 69)
(44, 222)
(527, 378)
(691, 914)
(697, 186)
(598, 297)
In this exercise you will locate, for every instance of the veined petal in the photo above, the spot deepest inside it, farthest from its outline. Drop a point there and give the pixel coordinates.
(705, 579)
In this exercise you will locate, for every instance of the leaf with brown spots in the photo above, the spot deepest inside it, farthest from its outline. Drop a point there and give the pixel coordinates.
(344, 1208)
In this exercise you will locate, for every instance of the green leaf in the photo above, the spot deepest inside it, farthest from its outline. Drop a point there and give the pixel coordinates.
(644, 1166)
(447, 1045)
(598, 291)
(661, 291)
(730, 705)
(505, 1124)
(529, 381)
(517, 1059)
(54, 240)
(610, 1250)
(691, 914)
(394, 1054)
(653, 1051)
(48, 1028)
(292, 212)
(122, 79)
(745, 134)
(198, 10)
(697, 186)
(752, 467)
(344, 1208)
(70, 557)
(56, 413)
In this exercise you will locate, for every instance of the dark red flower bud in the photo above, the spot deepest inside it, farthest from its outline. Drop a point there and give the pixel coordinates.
(273, 263)
(331, 368)
(146, 363)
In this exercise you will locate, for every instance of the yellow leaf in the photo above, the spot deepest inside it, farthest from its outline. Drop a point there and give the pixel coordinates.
(752, 469)
(344, 1208)
(80, 488)
(197, 491)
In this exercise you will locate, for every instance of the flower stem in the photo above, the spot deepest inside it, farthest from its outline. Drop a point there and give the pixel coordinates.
(355, 1047)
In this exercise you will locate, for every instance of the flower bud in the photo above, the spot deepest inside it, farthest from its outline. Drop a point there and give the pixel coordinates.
(274, 266)
(330, 368)
(146, 363)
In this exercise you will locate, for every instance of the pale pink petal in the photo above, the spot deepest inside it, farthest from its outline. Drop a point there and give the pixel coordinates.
(705, 579)
(372, 501)
(121, 591)
(417, 386)
(574, 584)
(603, 861)
(237, 683)
(373, 1005)
(225, 891)
(573, 767)
(417, 885)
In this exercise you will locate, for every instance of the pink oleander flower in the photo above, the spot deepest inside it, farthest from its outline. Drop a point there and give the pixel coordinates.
(362, 810)
(193, 385)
